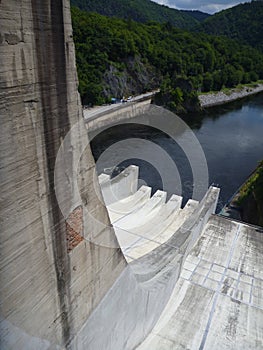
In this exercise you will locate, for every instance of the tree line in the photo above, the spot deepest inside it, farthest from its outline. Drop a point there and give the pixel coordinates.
(182, 63)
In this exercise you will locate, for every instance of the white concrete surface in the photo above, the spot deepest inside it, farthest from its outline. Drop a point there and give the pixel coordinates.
(218, 301)
(163, 232)
(143, 214)
(129, 204)
(166, 215)
(142, 223)
(127, 225)
(134, 304)
(148, 233)
(103, 178)
(121, 186)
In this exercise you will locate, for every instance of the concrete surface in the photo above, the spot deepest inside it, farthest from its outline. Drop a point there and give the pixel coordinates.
(128, 205)
(218, 301)
(95, 112)
(194, 281)
(119, 187)
(159, 233)
(135, 302)
(46, 292)
(108, 115)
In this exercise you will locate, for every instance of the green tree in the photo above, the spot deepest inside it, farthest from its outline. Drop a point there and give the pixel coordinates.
(208, 82)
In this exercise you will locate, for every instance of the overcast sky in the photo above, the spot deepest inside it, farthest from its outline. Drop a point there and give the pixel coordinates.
(201, 5)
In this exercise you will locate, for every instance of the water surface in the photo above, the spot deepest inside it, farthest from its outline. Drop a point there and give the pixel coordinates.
(231, 137)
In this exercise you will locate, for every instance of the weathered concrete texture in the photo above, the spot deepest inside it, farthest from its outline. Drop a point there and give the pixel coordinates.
(135, 302)
(45, 292)
(218, 300)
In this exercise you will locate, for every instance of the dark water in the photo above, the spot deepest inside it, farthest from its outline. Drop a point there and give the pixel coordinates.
(231, 137)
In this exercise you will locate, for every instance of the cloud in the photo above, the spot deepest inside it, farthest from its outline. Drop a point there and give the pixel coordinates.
(201, 5)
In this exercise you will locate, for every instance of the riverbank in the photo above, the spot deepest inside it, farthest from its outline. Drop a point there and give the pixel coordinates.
(206, 100)
(218, 98)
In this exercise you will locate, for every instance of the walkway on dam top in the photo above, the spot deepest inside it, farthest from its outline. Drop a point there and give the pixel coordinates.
(95, 112)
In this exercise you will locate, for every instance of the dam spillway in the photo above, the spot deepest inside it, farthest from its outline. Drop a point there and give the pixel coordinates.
(217, 301)
(169, 277)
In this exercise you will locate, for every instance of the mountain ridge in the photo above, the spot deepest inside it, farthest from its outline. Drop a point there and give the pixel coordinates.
(242, 22)
(143, 11)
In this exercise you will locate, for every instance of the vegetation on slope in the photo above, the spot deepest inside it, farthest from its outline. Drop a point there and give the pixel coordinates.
(141, 11)
(242, 22)
(118, 57)
(198, 15)
(250, 198)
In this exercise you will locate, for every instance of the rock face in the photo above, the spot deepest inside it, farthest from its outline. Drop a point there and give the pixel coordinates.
(47, 289)
(135, 78)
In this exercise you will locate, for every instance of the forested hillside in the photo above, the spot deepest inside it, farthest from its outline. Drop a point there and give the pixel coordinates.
(118, 57)
(142, 11)
(243, 22)
(198, 15)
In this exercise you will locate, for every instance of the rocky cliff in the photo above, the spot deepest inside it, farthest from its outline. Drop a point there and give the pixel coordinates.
(134, 78)
(53, 274)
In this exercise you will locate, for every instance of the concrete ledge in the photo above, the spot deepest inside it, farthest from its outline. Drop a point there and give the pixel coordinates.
(119, 113)
(121, 186)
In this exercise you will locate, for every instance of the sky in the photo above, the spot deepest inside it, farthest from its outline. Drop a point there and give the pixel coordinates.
(208, 6)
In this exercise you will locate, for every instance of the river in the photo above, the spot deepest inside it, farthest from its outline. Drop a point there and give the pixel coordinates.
(230, 135)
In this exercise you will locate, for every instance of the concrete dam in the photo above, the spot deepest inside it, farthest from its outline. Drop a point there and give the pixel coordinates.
(92, 262)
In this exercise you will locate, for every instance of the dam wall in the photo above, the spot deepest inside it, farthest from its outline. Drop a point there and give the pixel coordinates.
(52, 275)
(103, 117)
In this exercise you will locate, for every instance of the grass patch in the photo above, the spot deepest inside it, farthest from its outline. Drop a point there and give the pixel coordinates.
(253, 184)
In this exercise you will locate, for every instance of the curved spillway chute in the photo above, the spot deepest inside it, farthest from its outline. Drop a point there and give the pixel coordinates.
(134, 304)
(161, 233)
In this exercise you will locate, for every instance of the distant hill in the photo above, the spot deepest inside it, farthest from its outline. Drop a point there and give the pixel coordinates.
(142, 11)
(198, 15)
(117, 58)
(243, 22)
